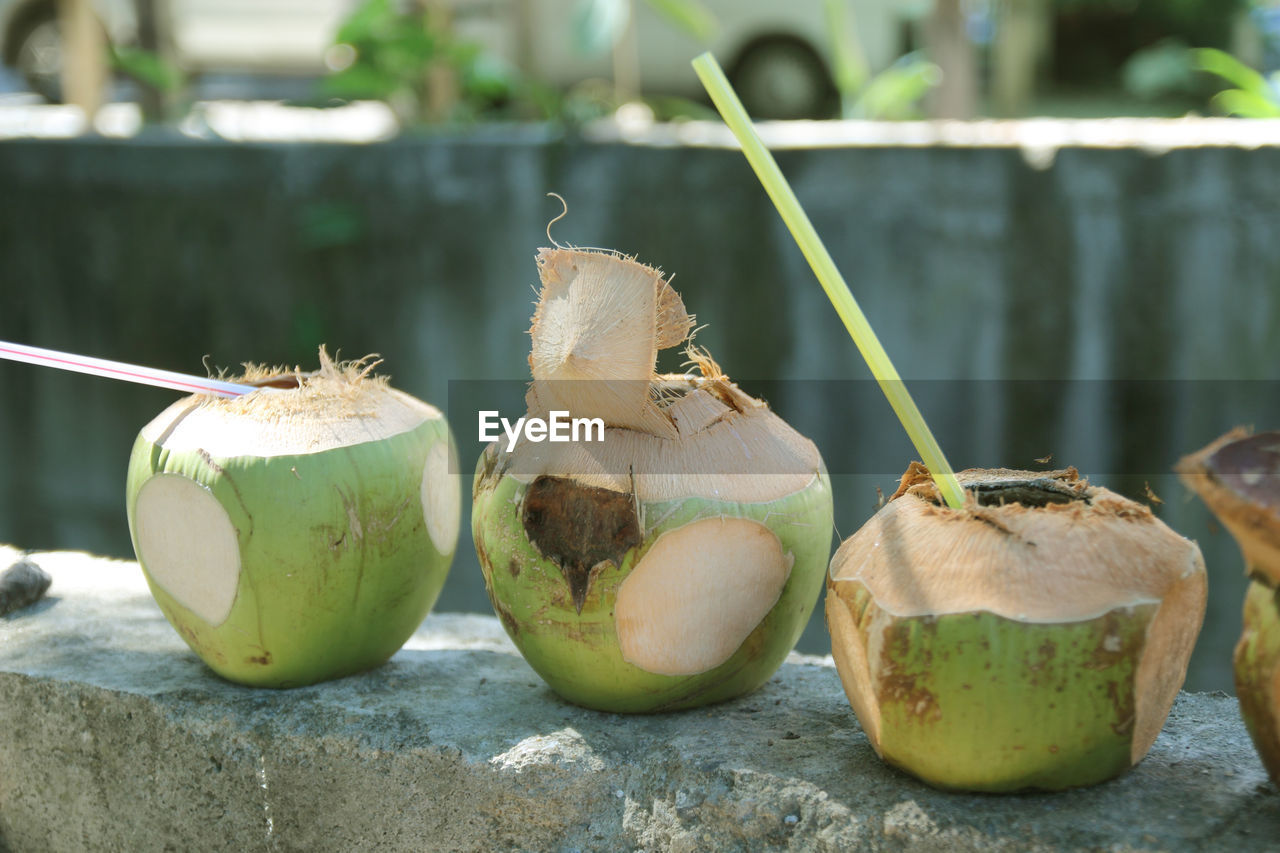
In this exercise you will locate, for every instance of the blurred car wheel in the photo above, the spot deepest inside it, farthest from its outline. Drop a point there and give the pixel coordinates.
(780, 77)
(38, 55)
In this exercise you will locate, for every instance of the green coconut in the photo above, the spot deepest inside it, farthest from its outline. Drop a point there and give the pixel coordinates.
(1033, 639)
(676, 562)
(1238, 476)
(1257, 670)
(296, 534)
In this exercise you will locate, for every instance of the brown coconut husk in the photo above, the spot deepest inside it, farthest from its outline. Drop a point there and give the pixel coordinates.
(1238, 477)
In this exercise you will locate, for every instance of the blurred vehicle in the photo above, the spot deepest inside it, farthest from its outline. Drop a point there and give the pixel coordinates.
(251, 36)
(776, 54)
(31, 40)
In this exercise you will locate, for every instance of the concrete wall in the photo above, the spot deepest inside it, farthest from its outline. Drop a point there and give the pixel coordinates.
(1013, 295)
(115, 737)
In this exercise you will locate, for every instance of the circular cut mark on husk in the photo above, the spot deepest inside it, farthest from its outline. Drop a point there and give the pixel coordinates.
(698, 593)
(441, 497)
(188, 545)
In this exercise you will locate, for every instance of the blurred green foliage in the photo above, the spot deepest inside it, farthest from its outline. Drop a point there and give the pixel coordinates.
(1163, 69)
(148, 68)
(1253, 95)
(396, 47)
(895, 93)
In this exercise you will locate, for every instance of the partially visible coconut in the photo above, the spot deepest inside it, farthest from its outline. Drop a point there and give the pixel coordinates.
(675, 563)
(300, 533)
(1238, 476)
(1035, 638)
(1257, 670)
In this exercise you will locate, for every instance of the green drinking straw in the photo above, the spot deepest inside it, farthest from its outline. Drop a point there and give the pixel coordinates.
(766, 169)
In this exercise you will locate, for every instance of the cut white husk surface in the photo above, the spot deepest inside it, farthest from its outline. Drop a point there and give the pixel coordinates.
(337, 406)
(1053, 563)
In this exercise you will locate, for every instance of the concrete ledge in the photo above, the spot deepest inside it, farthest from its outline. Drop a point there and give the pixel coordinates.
(113, 736)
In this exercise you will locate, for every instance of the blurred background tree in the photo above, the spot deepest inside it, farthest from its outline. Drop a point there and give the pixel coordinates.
(83, 66)
(408, 55)
(1024, 30)
(150, 64)
(949, 43)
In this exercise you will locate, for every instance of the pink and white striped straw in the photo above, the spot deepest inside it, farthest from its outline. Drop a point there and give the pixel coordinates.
(122, 371)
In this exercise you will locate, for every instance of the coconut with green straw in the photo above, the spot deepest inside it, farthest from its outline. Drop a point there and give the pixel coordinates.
(999, 630)
(1238, 477)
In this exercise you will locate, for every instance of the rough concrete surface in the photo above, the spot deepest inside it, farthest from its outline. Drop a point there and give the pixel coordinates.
(113, 736)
